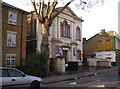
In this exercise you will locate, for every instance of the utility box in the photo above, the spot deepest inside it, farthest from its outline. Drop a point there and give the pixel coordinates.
(72, 66)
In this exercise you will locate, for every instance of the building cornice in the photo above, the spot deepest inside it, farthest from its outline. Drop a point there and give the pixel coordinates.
(73, 14)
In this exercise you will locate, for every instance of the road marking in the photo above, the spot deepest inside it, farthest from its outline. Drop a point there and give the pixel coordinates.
(100, 86)
(90, 83)
(73, 83)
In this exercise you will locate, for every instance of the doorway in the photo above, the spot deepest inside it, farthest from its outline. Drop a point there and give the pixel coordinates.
(65, 52)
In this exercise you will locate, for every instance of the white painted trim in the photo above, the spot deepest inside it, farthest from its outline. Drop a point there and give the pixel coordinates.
(12, 32)
(14, 14)
(10, 54)
(10, 60)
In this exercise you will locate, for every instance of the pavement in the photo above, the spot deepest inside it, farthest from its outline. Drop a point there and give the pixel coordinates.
(73, 76)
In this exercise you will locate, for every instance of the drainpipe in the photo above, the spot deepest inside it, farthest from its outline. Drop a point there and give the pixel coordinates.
(21, 40)
(0, 34)
(31, 24)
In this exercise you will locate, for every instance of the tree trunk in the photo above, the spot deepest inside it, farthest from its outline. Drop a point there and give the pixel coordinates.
(45, 43)
(45, 36)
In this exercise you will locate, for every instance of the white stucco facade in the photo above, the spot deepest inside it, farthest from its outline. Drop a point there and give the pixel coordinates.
(67, 46)
(106, 55)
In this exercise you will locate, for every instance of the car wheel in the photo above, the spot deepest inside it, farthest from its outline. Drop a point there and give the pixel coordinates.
(35, 85)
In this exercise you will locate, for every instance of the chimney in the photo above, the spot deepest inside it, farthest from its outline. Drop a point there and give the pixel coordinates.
(103, 31)
(84, 40)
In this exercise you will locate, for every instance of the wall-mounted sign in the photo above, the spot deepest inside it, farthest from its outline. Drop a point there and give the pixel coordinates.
(58, 50)
(74, 51)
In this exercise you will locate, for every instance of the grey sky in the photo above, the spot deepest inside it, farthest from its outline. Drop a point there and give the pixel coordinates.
(100, 16)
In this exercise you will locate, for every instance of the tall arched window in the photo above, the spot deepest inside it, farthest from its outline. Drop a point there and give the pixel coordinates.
(78, 34)
(65, 29)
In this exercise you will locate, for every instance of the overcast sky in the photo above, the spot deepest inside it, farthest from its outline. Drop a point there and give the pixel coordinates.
(99, 17)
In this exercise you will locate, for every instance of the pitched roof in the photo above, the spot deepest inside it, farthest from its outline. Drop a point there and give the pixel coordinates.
(109, 33)
(13, 7)
(69, 9)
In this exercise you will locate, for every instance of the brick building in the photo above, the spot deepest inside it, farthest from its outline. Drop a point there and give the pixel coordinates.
(104, 45)
(14, 25)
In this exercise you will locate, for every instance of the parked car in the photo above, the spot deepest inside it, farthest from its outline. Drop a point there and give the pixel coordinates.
(12, 77)
(119, 69)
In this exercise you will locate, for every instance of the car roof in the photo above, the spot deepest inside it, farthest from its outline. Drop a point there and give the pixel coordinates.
(11, 68)
(6, 68)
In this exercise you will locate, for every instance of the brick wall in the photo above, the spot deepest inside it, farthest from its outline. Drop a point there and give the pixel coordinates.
(99, 42)
(15, 28)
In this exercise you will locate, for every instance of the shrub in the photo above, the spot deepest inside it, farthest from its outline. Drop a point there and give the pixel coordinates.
(52, 65)
(35, 65)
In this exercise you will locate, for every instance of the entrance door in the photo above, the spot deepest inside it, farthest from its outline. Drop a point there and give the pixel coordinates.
(65, 55)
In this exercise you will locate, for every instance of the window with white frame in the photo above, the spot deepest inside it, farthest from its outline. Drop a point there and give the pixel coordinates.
(10, 60)
(12, 18)
(11, 39)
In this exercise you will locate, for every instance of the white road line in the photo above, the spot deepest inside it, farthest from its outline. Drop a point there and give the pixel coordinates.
(90, 83)
(73, 83)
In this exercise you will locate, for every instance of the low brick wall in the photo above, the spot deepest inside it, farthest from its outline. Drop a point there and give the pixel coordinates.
(99, 62)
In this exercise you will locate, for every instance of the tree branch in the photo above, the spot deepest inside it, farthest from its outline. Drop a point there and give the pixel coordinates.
(54, 16)
(41, 11)
(51, 9)
(47, 8)
(39, 6)
(34, 6)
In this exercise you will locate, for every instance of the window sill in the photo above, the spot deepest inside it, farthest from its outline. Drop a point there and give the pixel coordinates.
(66, 37)
(12, 23)
(78, 40)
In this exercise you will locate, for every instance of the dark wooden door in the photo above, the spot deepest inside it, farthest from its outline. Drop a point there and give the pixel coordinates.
(65, 55)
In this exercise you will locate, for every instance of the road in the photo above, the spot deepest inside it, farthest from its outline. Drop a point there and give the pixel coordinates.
(105, 79)
(109, 79)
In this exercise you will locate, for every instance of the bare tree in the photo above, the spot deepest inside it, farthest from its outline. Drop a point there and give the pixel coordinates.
(46, 18)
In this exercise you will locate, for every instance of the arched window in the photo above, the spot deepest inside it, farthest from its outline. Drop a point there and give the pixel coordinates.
(78, 34)
(65, 29)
